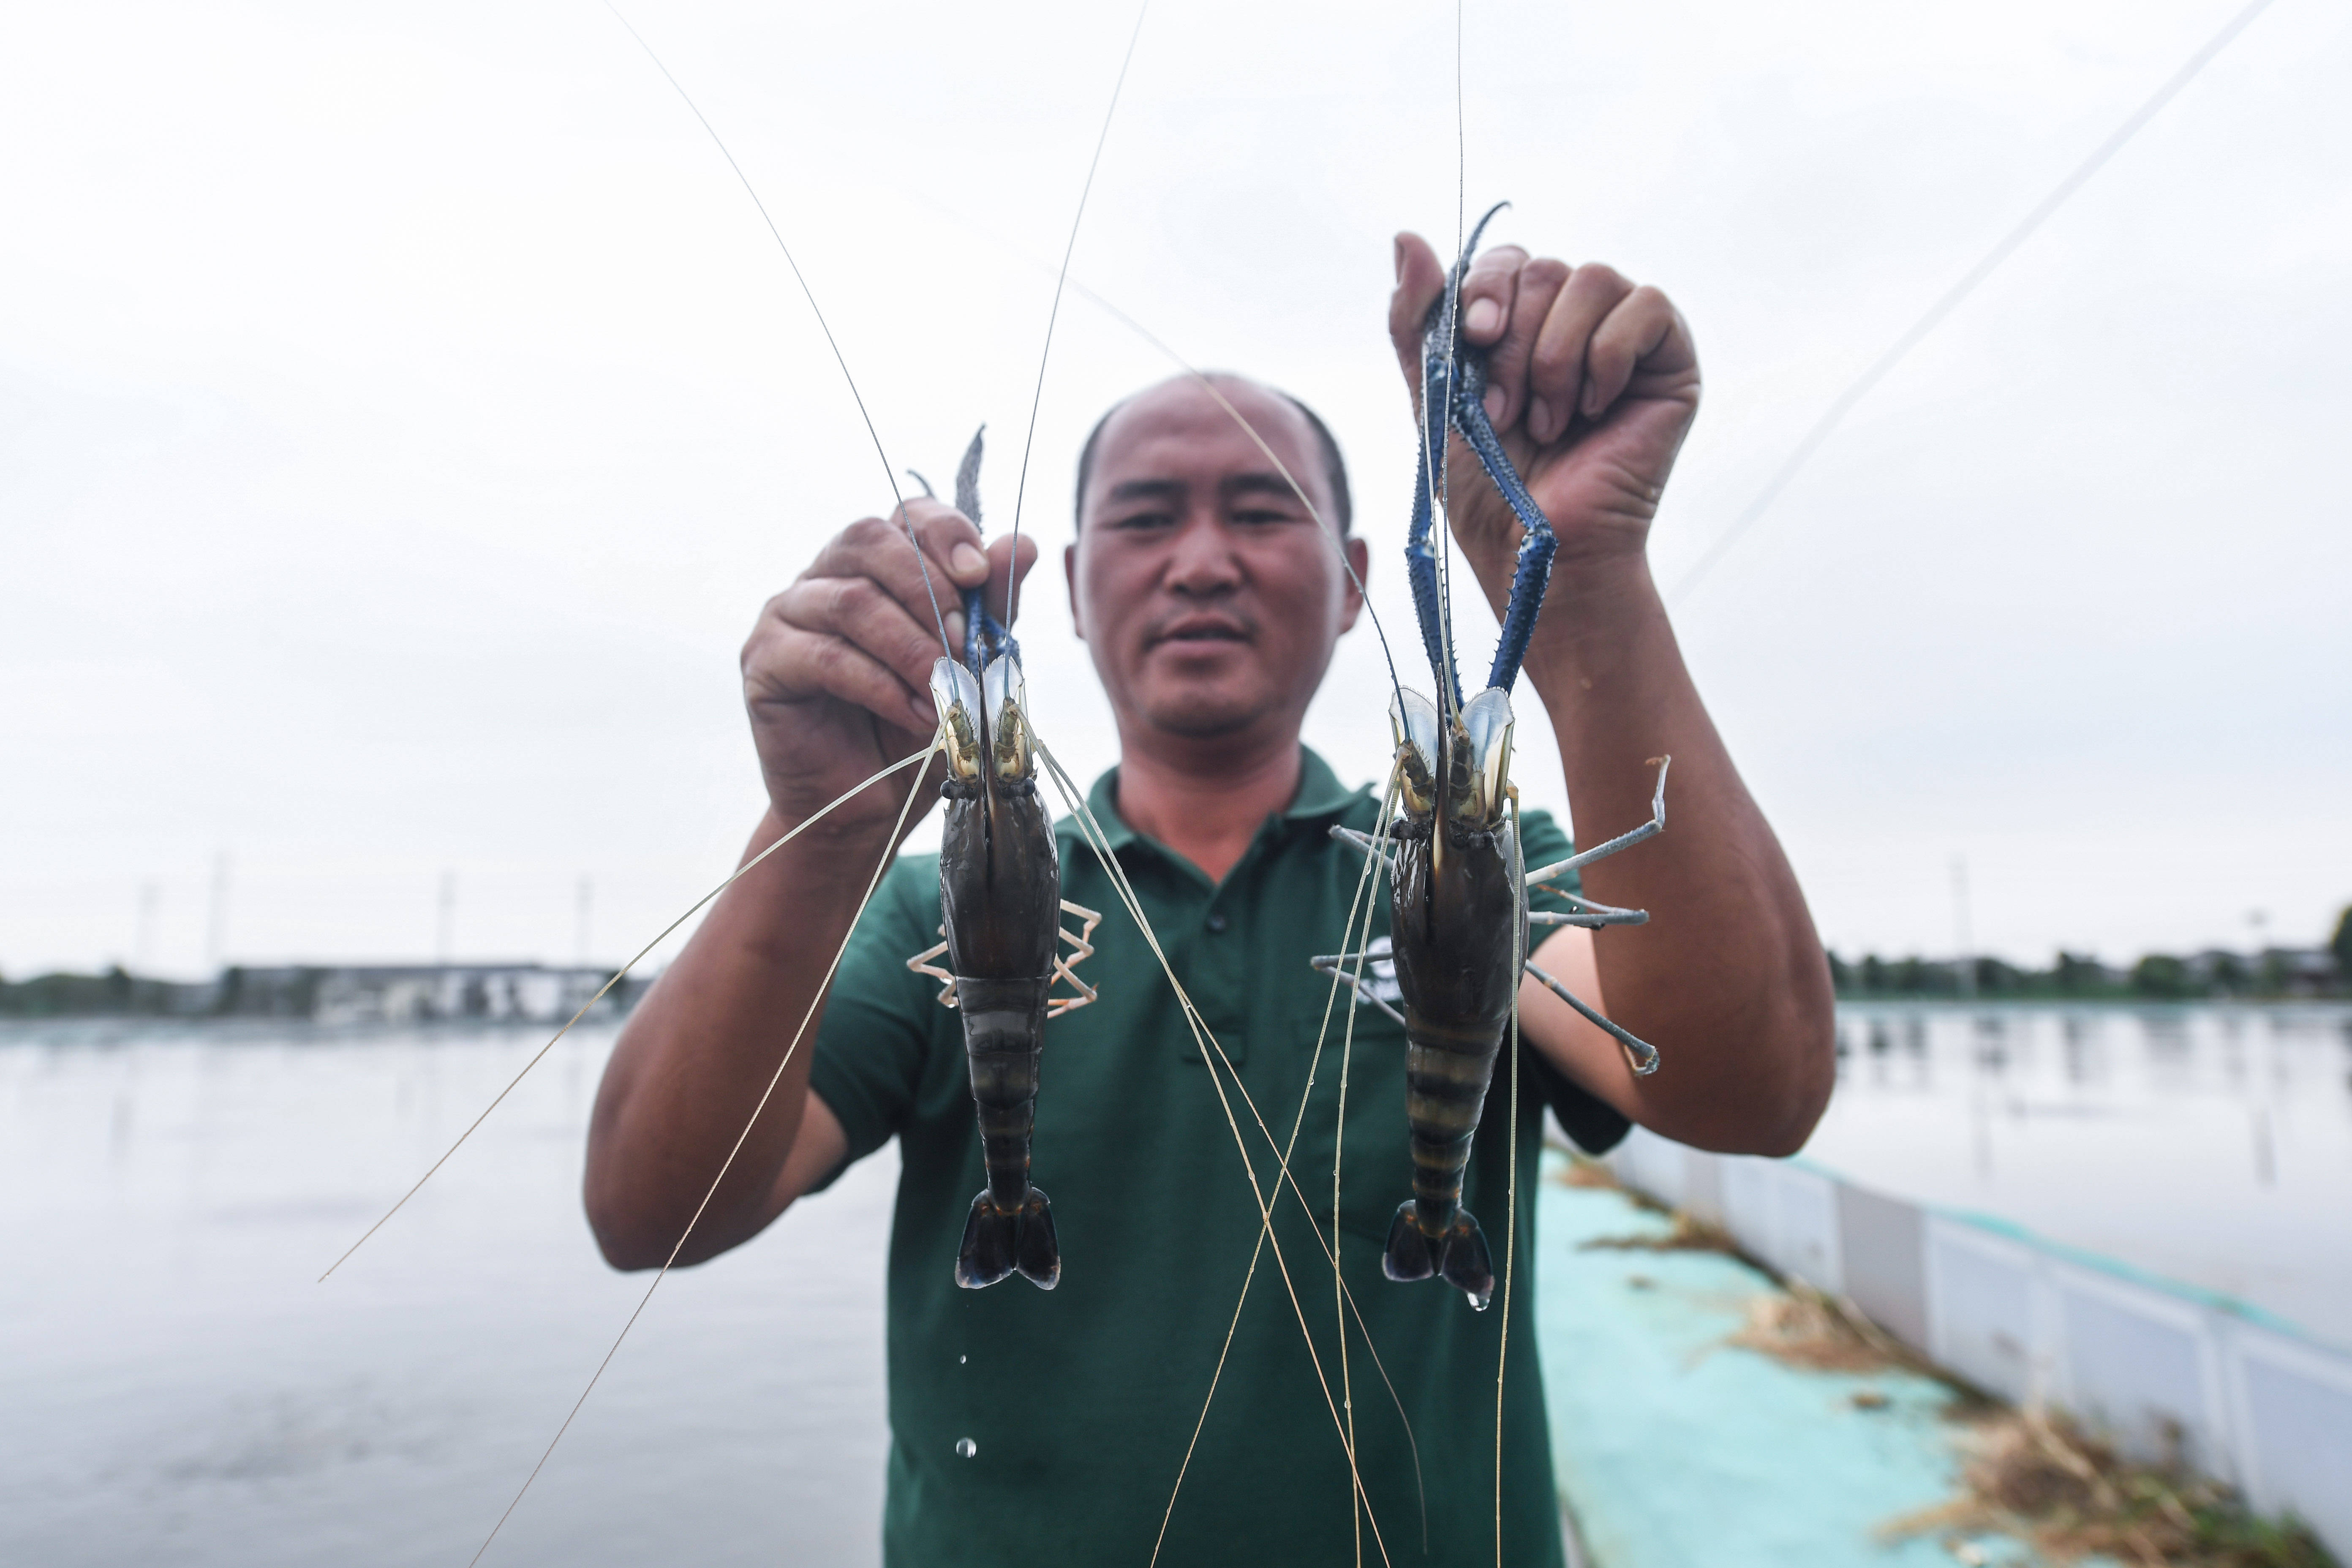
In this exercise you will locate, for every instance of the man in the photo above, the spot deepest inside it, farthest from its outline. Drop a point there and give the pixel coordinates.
(1039, 1428)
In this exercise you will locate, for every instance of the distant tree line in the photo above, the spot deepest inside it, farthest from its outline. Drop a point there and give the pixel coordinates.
(2273, 972)
(281, 991)
(2277, 972)
(115, 991)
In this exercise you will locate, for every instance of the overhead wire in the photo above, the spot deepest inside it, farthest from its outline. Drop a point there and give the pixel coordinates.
(1037, 399)
(1950, 300)
(889, 471)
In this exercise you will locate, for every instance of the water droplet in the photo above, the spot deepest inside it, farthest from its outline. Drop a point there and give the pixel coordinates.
(966, 1447)
(962, 1359)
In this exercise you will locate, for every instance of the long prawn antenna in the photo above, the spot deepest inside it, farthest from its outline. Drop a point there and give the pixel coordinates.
(2002, 249)
(1449, 681)
(890, 474)
(1037, 399)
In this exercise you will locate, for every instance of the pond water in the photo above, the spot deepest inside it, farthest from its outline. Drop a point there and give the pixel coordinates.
(2209, 1144)
(177, 1388)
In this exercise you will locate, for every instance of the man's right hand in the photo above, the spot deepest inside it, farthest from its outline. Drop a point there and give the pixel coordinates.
(836, 673)
(836, 676)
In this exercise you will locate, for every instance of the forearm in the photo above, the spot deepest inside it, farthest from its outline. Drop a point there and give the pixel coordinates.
(1727, 979)
(705, 1044)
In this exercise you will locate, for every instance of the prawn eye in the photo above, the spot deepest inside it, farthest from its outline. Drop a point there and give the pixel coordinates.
(1412, 720)
(956, 697)
(1006, 701)
(1487, 729)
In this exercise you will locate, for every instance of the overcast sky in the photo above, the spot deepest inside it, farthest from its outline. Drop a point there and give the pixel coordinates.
(404, 415)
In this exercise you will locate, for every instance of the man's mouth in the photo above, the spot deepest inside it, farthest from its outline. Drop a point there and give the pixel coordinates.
(1202, 629)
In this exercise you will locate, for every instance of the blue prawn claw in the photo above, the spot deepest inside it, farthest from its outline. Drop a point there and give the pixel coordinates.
(1453, 402)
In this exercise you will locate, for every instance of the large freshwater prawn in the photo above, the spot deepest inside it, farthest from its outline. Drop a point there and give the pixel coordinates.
(1460, 923)
(1001, 909)
(999, 891)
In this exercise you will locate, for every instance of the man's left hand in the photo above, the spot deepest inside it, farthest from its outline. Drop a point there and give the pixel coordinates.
(1592, 382)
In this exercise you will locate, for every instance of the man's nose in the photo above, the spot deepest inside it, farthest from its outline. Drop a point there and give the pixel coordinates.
(1203, 559)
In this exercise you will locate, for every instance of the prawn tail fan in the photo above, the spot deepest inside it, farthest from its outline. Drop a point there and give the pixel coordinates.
(1408, 1257)
(1459, 1255)
(1000, 1242)
(1466, 1264)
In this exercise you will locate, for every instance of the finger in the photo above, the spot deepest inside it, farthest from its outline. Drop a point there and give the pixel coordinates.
(863, 613)
(1419, 281)
(1003, 571)
(797, 664)
(1507, 366)
(1556, 375)
(949, 537)
(920, 580)
(1488, 290)
(1643, 330)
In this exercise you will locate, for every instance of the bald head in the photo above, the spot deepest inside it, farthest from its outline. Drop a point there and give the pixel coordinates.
(1270, 411)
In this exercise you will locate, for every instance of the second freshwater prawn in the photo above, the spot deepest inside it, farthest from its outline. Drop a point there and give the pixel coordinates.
(1459, 915)
(1000, 910)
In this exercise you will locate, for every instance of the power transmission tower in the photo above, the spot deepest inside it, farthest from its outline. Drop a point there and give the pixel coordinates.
(216, 927)
(1960, 930)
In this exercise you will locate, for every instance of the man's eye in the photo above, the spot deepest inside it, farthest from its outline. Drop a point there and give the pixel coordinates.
(1143, 520)
(1263, 516)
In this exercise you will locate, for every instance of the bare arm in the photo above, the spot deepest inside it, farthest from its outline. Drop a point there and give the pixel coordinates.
(835, 679)
(1593, 383)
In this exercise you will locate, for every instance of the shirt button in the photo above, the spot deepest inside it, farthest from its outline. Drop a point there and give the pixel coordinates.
(1217, 919)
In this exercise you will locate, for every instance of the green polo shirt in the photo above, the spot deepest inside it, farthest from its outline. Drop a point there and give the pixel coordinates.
(1040, 1429)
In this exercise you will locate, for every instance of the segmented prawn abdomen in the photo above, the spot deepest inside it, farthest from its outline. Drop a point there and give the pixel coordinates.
(1001, 904)
(1456, 952)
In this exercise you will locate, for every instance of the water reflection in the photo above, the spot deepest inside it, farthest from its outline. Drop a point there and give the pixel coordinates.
(2210, 1143)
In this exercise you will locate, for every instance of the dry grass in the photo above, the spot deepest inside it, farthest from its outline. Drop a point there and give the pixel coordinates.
(1690, 1234)
(1808, 1330)
(2038, 1477)
(1802, 1328)
(1582, 1170)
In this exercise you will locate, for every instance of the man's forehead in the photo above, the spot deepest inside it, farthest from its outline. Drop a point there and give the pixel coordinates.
(1179, 429)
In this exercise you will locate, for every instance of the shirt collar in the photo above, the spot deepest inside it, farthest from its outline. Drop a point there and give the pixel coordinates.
(1320, 794)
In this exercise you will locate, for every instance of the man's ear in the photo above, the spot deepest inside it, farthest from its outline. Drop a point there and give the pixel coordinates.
(1070, 577)
(1359, 558)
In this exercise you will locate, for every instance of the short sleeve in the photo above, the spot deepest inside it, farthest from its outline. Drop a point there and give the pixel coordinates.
(1594, 1124)
(875, 1040)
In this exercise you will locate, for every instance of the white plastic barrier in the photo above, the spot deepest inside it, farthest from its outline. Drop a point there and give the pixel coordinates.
(2145, 1362)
